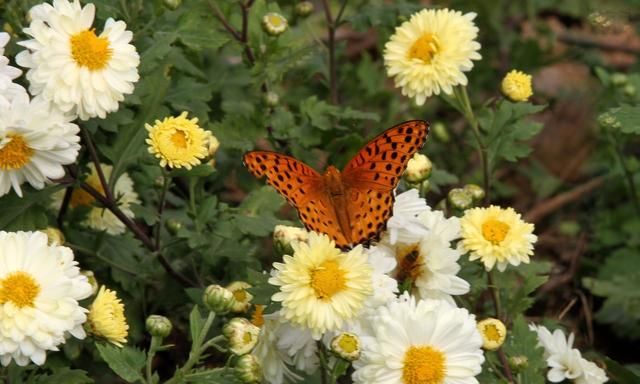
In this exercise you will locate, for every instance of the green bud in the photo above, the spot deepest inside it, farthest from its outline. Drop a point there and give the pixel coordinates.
(218, 299)
(172, 4)
(619, 79)
(476, 191)
(629, 90)
(518, 363)
(304, 8)
(458, 198)
(607, 120)
(242, 335)
(418, 168)
(271, 99)
(173, 225)
(274, 24)
(440, 131)
(158, 326)
(248, 369)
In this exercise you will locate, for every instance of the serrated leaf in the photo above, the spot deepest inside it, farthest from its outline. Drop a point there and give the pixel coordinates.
(260, 289)
(27, 212)
(65, 375)
(213, 376)
(126, 362)
(629, 118)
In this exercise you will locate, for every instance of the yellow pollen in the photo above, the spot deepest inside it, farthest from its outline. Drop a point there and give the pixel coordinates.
(257, 318)
(15, 154)
(327, 280)
(348, 343)
(81, 198)
(425, 48)
(491, 332)
(19, 288)
(179, 139)
(240, 295)
(494, 231)
(423, 365)
(89, 50)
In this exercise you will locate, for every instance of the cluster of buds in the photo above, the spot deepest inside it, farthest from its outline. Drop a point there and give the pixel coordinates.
(465, 197)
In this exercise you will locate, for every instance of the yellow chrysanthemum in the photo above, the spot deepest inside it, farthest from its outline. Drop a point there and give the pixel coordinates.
(493, 333)
(430, 53)
(178, 142)
(106, 317)
(321, 287)
(497, 236)
(516, 85)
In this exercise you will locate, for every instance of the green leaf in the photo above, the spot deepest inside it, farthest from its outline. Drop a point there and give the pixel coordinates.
(65, 375)
(619, 373)
(629, 118)
(195, 323)
(194, 31)
(126, 362)
(261, 289)
(27, 212)
(523, 342)
(213, 376)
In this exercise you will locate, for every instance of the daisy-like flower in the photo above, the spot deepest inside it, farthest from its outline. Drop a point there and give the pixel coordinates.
(35, 142)
(497, 236)
(40, 286)
(98, 218)
(274, 23)
(426, 341)
(430, 53)
(7, 73)
(516, 85)
(241, 295)
(106, 317)
(564, 361)
(321, 287)
(404, 225)
(71, 66)
(178, 142)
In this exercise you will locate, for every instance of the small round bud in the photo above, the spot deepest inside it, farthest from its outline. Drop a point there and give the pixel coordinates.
(493, 333)
(608, 121)
(91, 279)
(173, 225)
(248, 369)
(476, 191)
(518, 363)
(212, 145)
(440, 131)
(618, 79)
(218, 299)
(242, 335)
(274, 24)
(54, 236)
(158, 326)
(516, 86)
(172, 4)
(418, 169)
(240, 294)
(458, 198)
(304, 8)
(271, 99)
(629, 90)
(347, 346)
(284, 236)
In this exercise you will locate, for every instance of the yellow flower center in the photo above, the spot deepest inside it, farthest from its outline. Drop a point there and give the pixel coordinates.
(257, 318)
(491, 332)
(327, 280)
(240, 295)
(89, 50)
(494, 231)
(348, 343)
(275, 20)
(19, 288)
(423, 365)
(425, 48)
(80, 197)
(15, 154)
(179, 139)
(247, 337)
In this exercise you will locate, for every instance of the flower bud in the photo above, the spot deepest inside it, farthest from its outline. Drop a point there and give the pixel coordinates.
(516, 86)
(248, 369)
(304, 8)
(418, 168)
(608, 121)
(242, 335)
(173, 225)
(241, 296)
(629, 90)
(274, 24)
(158, 326)
(218, 299)
(440, 131)
(271, 99)
(284, 236)
(518, 363)
(54, 235)
(475, 191)
(212, 144)
(493, 333)
(459, 198)
(91, 279)
(347, 346)
(599, 20)
(619, 79)
(172, 4)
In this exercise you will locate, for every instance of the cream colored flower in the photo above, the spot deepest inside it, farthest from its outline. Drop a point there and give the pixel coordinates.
(430, 53)
(418, 168)
(7, 73)
(516, 85)
(321, 287)
(274, 23)
(497, 236)
(69, 65)
(106, 317)
(241, 295)
(493, 333)
(242, 335)
(178, 142)
(40, 286)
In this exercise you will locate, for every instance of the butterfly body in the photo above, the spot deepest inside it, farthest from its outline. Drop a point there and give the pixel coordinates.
(351, 206)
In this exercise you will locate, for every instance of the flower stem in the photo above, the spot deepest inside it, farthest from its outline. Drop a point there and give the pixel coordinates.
(153, 347)
(163, 195)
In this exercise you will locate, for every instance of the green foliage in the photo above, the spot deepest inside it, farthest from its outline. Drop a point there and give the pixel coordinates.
(126, 362)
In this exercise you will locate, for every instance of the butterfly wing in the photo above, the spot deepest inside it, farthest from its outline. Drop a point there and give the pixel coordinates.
(303, 188)
(373, 173)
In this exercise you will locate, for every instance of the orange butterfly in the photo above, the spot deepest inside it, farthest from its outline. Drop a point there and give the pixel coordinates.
(351, 206)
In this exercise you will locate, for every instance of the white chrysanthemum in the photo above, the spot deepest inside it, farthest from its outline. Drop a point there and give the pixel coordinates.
(98, 218)
(7, 73)
(35, 142)
(385, 287)
(430, 53)
(74, 68)
(426, 341)
(497, 236)
(564, 361)
(40, 286)
(403, 225)
(282, 346)
(321, 287)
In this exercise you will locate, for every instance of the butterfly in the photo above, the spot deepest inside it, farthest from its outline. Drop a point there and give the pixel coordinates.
(351, 206)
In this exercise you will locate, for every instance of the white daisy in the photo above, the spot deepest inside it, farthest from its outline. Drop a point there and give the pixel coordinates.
(403, 225)
(40, 286)
(35, 141)
(74, 68)
(426, 341)
(99, 218)
(7, 72)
